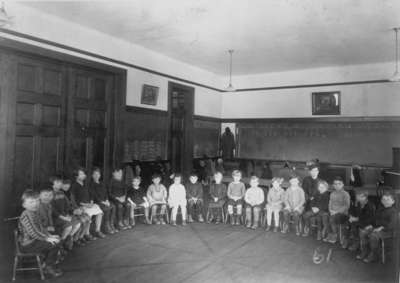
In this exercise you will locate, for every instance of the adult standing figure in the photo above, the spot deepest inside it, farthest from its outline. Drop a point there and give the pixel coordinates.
(227, 144)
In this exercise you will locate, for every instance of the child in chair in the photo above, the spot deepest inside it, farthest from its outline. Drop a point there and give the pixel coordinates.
(275, 201)
(157, 196)
(66, 224)
(384, 225)
(254, 197)
(339, 204)
(137, 198)
(33, 237)
(194, 194)
(319, 212)
(236, 192)
(177, 198)
(294, 204)
(45, 209)
(217, 198)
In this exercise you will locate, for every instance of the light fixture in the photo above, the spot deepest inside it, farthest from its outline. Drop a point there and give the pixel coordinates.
(396, 75)
(230, 87)
(4, 18)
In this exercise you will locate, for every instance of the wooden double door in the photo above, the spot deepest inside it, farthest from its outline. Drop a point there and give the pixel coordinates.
(58, 116)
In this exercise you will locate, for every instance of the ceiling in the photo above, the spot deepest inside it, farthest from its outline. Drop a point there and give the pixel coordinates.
(267, 35)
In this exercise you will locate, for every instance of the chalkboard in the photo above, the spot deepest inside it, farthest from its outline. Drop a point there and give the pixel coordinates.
(145, 135)
(205, 138)
(362, 142)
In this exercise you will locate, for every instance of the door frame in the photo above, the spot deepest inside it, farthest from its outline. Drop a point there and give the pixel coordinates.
(188, 139)
(14, 47)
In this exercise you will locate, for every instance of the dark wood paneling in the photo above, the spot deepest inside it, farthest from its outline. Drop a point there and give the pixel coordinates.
(206, 135)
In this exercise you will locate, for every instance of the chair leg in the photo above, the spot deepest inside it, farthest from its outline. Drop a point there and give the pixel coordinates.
(15, 267)
(39, 262)
(383, 251)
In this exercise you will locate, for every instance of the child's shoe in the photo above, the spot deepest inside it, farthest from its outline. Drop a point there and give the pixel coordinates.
(201, 219)
(332, 239)
(362, 255)
(173, 223)
(100, 235)
(190, 218)
(306, 232)
(184, 223)
(248, 225)
(162, 222)
(217, 221)
(353, 247)
(297, 231)
(52, 271)
(268, 228)
(370, 258)
(276, 229)
(284, 229)
(232, 219)
(254, 227)
(237, 220)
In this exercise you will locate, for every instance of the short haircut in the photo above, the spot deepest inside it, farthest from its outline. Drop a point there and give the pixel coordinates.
(96, 169)
(46, 189)
(218, 173)
(254, 178)
(323, 183)
(389, 194)
(193, 174)
(294, 176)
(338, 178)
(67, 182)
(277, 179)
(155, 176)
(362, 192)
(236, 173)
(136, 177)
(29, 194)
(177, 175)
(55, 178)
(75, 173)
(313, 166)
(116, 169)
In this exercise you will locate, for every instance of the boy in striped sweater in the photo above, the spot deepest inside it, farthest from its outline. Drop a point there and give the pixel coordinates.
(33, 237)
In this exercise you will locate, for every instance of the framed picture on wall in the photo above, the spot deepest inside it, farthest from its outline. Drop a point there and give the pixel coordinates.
(149, 94)
(326, 103)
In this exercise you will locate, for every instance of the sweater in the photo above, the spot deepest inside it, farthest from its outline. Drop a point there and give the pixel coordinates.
(194, 190)
(61, 205)
(156, 193)
(136, 195)
(365, 214)
(117, 189)
(276, 197)
(218, 191)
(30, 228)
(254, 196)
(310, 187)
(236, 190)
(386, 217)
(294, 198)
(45, 214)
(98, 191)
(339, 202)
(321, 201)
(80, 193)
(177, 195)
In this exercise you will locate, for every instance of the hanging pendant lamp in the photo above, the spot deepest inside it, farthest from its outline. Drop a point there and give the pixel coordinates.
(230, 87)
(396, 75)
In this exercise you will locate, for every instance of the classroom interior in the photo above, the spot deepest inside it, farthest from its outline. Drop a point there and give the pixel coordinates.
(156, 83)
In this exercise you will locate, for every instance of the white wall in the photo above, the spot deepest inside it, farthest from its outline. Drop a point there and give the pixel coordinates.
(38, 24)
(381, 99)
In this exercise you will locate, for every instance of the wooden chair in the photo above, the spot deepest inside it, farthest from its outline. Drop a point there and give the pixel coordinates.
(20, 256)
(166, 215)
(209, 213)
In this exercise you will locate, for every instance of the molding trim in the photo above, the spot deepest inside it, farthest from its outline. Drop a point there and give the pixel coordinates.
(151, 71)
(148, 111)
(314, 119)
(206, 118)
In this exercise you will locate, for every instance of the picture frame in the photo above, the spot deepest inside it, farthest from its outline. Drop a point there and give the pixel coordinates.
(149, 94)
(326, 103)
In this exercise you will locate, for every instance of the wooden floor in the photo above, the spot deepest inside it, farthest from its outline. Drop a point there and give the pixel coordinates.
(206, 253)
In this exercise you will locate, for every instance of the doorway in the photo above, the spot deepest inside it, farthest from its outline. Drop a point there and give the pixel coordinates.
(181, 110)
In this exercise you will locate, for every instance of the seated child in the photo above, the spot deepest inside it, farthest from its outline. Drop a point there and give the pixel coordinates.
(253, 197)
(99, 194)
(118, 194)
(339, 204)
(194, 194)
(217, 198)
(383, 227)
(65, 223)
(157, 196)
(45, 209)
(275, 201)
(236, 192)
(294, 204)
(81, 195)
(360, 216)
(220, 166)
(80, 237)
(33, 237)
(137, 198)
(177, 198)
(319, 212)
